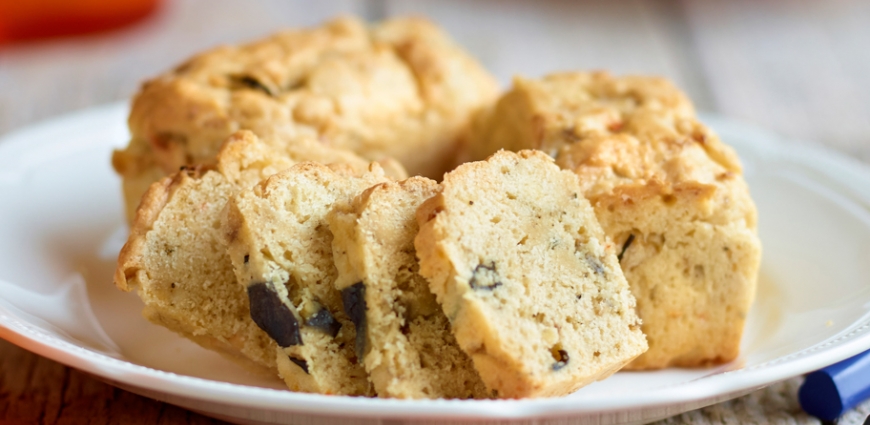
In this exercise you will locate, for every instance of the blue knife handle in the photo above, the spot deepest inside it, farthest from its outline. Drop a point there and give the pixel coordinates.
(829, 392)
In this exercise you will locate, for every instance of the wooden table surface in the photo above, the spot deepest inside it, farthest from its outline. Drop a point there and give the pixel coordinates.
(797, 67)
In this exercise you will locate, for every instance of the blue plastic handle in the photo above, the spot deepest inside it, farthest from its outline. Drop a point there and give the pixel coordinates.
(829, 392)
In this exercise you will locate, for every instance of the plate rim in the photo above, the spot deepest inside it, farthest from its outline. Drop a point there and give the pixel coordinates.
(852, 340)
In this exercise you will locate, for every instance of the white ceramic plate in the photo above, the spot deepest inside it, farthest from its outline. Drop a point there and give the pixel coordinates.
(61, 229)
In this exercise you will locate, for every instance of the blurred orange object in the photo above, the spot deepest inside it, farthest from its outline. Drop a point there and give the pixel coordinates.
(35, 19)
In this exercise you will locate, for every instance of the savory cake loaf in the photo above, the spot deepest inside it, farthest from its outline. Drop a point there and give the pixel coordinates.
(280, 245)
(406, 341)
(665, 189)
(174, 260)
(400, 89)
(522, 269)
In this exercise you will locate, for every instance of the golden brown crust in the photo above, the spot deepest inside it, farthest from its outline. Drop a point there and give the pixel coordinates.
(665, 189)
(560, 111)
(397, 89)
(153, 201)
(678, 192)
(173, 257)
(180, 277)
(245, 159)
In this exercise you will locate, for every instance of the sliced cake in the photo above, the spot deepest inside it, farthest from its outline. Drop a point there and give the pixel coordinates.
(404, 337)
(524, 273)
(175, 262)
(280, 245)
(664, 188)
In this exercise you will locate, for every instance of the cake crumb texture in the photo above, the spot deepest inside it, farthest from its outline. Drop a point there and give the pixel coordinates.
(279, 242)
(667, 191)
(173, 257)
(410, 351)
(526, 276)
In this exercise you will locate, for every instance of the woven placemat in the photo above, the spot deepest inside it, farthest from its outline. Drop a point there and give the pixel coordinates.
(776, 404)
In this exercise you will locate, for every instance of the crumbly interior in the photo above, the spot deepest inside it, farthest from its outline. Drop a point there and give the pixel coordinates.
(694, 253)
(276, 234)
(400, 89)
(666, 190)
(410, 350)
(184, 277)
(174, 259)
(523, 271)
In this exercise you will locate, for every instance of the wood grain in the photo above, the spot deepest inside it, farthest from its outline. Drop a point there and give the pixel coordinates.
(35, 390)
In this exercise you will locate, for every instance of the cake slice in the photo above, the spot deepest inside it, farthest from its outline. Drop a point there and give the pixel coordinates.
(522, 269)
(406, 341)
(173, 258)
(280, 245)
(664, 187)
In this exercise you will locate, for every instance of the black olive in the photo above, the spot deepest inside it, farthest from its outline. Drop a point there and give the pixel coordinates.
(596, 265)
(484, 277)
(324, 321)
(272, 316)
(252, 83)
(354, 300)
(301, 363)
(561, 357)
(625, 246)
